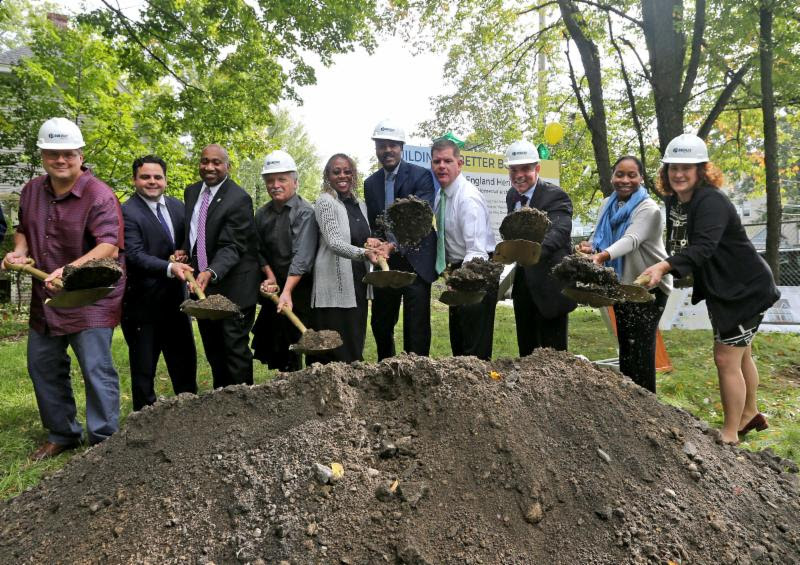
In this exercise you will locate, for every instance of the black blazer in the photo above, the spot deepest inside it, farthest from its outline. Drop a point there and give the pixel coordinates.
(545, 289)
(231, 242)
(149, 293)
(729, 274)
(411, 179)
(3, 225)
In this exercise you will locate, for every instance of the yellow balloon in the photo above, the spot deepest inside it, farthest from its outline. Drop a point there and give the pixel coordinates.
(553, 133)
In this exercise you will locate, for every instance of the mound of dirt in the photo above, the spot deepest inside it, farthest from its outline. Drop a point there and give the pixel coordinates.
(410, 220)
(92, 274)
(526, 223)
(539, 460)
(475, 275)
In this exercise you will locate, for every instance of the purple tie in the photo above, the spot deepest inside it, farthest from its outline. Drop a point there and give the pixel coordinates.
(202, 260)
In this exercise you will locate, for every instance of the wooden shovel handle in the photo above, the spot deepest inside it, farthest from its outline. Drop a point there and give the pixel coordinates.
(288, 313)
(642, 280)
(28, 267)
(383, 264)
(190, 279)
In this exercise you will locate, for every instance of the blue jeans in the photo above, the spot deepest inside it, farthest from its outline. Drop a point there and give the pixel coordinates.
(49, 367)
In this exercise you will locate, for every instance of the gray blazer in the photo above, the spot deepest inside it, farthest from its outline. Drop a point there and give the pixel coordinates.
(642, 244)
(333, 275)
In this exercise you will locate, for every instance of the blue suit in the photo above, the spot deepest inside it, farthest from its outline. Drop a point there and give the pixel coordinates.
(152, 322)
(410, 180)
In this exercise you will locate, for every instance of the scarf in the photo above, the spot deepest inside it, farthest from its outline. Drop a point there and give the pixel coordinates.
(614, 221)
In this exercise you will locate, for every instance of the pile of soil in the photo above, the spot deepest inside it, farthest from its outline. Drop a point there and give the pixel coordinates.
(576, 269)
(475, 275)
(92, 274)
(540, 460)
(410, 220)
(526, 223)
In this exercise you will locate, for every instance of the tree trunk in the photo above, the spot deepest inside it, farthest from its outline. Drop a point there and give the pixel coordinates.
(765, 46)
(666, 46)
(596, 120)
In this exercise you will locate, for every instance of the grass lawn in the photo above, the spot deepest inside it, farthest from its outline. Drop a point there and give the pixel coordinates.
(692, 385)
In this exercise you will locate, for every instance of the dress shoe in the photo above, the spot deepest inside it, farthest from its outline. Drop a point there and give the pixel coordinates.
(758, 423)
(49, 449)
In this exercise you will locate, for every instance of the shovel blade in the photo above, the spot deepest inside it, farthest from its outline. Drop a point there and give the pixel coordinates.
(521, 251)
(195, 309)
(635, 293)
(389, 279)
(588, 297)
(78, 298)
(461, 298)
(317, 342)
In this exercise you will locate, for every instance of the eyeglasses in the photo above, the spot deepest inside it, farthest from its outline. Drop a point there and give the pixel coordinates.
(51, 155)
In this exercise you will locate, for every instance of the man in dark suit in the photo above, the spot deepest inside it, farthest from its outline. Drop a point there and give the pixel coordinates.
(152, 322)
(221, 238)
(399, 179)
(540, 310)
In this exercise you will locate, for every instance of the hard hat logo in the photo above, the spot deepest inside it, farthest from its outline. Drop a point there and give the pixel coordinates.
(59, 133)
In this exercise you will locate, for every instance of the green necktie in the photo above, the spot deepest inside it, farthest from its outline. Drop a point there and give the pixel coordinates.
(441, 263)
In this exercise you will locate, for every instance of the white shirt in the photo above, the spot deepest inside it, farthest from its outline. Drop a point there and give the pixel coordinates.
(467, 230)
(529, 194)
(196, 211)
(164, 212)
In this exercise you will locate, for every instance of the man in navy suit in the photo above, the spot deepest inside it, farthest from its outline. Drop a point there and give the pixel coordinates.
(540, 310)
(399, 179)
(152, 322)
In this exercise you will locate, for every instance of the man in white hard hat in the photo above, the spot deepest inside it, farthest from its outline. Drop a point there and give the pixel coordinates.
(398, 179)
(220, 239)
(540, 310)
(287, 244)
(152, 322)
(68, 216)
(464, 232)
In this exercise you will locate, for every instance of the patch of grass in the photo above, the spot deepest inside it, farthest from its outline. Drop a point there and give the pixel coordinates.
(692, 385)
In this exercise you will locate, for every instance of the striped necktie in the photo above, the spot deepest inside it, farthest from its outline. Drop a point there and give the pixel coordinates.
(202, 259)
(441, 261)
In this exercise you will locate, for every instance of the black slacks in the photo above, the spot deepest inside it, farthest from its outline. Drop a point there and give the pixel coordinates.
(637, 324)
(533, 329)
(172, 336)
(416, 299)
(472, 327)
(227, 348)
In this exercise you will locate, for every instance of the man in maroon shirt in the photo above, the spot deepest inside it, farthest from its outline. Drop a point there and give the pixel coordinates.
(69, 217)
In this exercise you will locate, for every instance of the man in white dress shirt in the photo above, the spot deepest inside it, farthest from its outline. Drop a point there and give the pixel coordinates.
(465, 233)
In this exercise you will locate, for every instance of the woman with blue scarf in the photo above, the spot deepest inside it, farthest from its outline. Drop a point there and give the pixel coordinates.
(628, 237)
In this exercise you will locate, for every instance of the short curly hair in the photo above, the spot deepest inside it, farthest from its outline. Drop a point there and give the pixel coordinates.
(707, 174)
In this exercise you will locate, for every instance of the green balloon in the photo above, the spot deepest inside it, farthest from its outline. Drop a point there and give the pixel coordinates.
(449, 135)
(544, 151)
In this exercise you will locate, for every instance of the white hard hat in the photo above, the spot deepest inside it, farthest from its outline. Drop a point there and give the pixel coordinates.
(278, 161)
(59, 133)
(387, 129)
(521, 152)
(686, 148)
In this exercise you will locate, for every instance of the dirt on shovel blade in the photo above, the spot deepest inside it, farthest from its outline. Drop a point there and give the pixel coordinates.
(216, 302)
(575, 269)
(92, 274)
(538, 460)
(526, 223)
(410, 220)
(317, 340)
(477, 274)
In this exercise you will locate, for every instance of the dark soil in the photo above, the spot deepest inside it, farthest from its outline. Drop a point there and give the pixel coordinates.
(526, 223)
(317, 341)
(540, 460)
(575, 269)
(92, 274)
(474, 275)
(410, 220)
(215, 302)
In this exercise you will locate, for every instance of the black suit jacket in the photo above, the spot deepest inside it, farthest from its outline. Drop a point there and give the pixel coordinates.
(544, 288)
(410, 179)
(231, 242)
(3, 225)
(149, 293)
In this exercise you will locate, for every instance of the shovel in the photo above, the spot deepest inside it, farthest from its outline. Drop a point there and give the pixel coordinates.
(590, 296)
(636, 292)
(521, 251)
(202, 309)
(311, 341)
(65, 298)
(388, 279)
(461, 297)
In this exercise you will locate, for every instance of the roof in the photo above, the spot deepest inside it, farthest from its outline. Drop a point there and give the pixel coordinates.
(14, 56)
